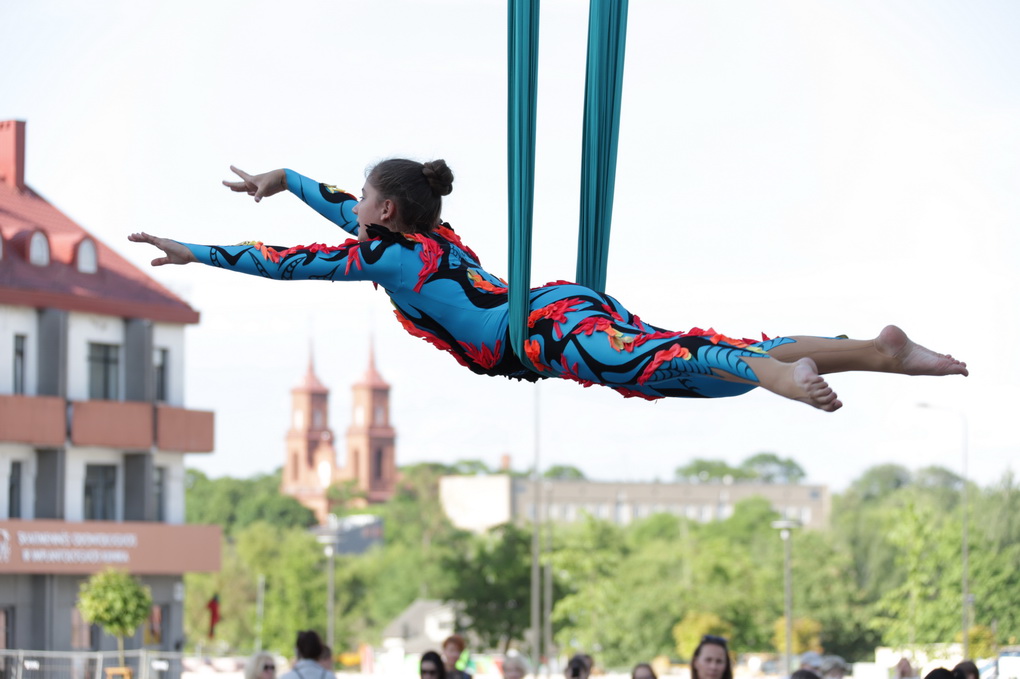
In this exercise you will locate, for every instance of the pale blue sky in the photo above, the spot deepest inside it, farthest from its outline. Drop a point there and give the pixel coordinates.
(786, 167)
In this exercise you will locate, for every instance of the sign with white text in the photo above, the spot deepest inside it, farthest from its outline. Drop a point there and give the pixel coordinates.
(142, 548)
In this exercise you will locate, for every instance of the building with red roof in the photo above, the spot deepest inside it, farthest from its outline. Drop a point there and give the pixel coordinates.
(93, 428)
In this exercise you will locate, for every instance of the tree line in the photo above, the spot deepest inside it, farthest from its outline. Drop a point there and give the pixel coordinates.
(887, 570)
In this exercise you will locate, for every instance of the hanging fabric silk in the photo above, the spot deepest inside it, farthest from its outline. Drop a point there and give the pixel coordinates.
(522, 83)
(607, 30)
(607, 37)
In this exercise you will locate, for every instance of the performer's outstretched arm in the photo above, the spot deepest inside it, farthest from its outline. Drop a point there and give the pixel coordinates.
(372, 260)
(330, 202)
(335, 205)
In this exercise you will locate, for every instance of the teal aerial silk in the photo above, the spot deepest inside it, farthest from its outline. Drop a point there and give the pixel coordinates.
(607, 27)
(607, 37)
(522, 97)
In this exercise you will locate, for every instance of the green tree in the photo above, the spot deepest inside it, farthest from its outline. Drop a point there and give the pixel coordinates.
(587, 561)
(981, 640)
(235, 503)
(880, 481)
(344, 495)
(806, 635)
(922, 610)
(770, 468)
(493, 584)
(117, 602)
(564, 472)
(695, 624)
(471, 467)
(710, 470)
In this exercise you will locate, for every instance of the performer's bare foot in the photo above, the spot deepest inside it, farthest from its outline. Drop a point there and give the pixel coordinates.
(913, 359)
(799, 381)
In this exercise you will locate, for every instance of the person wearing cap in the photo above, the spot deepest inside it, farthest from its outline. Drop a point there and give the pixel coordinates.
(833, 667)
(812, 662)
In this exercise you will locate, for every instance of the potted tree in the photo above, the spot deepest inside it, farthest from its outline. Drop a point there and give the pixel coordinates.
(117, 602)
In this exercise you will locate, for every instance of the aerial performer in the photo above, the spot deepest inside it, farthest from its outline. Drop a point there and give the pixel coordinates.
(442, 294)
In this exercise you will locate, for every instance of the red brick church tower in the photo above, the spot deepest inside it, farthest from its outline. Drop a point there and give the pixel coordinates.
(311, 466)
(371, 441)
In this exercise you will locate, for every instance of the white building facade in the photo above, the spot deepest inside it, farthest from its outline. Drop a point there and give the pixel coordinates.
(93, 428)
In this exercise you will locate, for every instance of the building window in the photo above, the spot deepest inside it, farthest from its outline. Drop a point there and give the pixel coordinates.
(19, 364)
(88, 261)
(380, 415)
(39, 249)
(14, 491)
(377, 466)
(100, 492)
(160, 361)
(159, 491)
(104, 371)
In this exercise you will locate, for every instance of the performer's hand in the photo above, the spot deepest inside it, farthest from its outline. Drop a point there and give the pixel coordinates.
(259, 185)
(174, 251)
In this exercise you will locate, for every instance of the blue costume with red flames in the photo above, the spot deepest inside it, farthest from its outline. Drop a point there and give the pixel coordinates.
(442, 295)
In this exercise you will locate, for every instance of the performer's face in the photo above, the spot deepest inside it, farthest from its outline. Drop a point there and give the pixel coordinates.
(371, 209)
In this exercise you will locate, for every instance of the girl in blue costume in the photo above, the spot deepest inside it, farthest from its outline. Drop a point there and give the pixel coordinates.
(443, 295)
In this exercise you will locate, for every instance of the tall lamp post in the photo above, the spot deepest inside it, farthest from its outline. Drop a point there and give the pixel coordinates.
(785, 527)
(964, 533)
(329, 542)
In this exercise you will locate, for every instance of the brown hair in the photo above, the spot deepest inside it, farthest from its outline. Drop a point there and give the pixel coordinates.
(457, 640)
(416, 188)
(633, 672)
(712, 640)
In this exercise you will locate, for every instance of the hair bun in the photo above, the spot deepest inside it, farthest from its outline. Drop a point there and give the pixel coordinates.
(439, 176)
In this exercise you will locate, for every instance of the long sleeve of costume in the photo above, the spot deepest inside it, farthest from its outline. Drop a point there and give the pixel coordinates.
(330, 202)
(371, 260)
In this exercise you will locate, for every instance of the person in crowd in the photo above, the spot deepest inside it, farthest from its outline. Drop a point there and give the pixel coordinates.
(579, 666)
(643, 671)
(811, 661)
(967, 670)
(904, 670)
(804, 674)
(711, 659)
(431, 666)
(326, 659)
(453, 649)
(515, 667)
(262, 665)
(943, 673)
(308, 649)
(833, 667)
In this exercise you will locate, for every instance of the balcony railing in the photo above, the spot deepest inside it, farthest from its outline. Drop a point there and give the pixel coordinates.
(35, 420)
(50, 421)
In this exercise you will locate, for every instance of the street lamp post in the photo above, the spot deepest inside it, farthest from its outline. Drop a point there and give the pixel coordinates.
(965, 531)
(329, 542)
(785, 527)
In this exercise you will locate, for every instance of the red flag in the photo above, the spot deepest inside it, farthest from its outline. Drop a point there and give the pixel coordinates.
(214, 613)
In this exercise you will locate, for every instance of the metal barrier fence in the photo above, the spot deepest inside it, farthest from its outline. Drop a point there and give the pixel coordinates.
(88, 664)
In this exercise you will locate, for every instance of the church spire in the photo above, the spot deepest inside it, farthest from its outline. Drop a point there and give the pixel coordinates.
(311, 382)
(372, 378)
